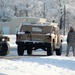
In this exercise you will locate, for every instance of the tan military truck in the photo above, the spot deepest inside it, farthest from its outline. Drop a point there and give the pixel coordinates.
(4, 46)
(33, 35)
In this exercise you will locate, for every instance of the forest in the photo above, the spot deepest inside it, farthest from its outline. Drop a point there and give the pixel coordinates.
(62, 11)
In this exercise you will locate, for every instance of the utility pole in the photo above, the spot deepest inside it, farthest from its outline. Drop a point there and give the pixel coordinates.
(60, 5)
(26, 11)
(61, 22)
(64, 17)
(44, 13)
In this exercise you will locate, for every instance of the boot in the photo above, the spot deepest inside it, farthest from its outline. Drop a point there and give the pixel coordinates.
(74, 55)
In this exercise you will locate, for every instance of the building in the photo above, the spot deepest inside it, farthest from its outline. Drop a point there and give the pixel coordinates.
(12, 26)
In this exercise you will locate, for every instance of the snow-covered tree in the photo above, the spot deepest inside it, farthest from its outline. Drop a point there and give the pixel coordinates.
(6, 8)
(49, 9)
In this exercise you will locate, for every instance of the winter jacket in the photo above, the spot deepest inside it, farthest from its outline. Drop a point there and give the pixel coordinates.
(71, 37)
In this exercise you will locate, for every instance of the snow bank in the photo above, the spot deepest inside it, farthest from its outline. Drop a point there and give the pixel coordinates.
(50, 65)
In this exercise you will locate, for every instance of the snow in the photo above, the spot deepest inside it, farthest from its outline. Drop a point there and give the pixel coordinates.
(45, 65)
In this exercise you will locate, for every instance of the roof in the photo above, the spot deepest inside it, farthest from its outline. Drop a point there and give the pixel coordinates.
(54, 24)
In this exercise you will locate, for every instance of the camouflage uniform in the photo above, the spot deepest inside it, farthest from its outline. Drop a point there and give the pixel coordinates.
(71, 41)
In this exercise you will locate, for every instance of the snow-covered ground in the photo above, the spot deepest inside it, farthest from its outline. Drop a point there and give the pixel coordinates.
(48, 65)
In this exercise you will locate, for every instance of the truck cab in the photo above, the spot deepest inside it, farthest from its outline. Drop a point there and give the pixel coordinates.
(33, 35)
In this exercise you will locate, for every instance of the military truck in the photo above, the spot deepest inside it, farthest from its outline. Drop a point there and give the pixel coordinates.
(34, 34)
(4, 46)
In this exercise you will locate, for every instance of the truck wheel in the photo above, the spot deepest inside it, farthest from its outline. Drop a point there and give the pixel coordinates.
(29, 51)
(20, 50)
(49, 51)
(4, 49)
(59, 51)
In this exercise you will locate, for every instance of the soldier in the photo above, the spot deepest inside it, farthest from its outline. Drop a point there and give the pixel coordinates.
(71, 41)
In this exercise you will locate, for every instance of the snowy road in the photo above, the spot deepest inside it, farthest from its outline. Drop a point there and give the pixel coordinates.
(38, 53)
(36, 64)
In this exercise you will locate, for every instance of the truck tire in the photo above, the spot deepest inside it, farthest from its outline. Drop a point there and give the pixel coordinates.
(20, 50)
(29, 51)
(49, 51)
(59, 51)
(4, 49)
